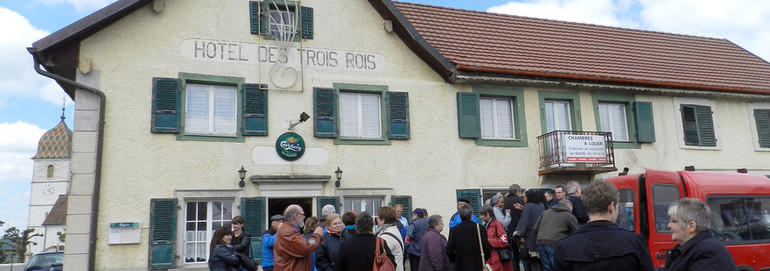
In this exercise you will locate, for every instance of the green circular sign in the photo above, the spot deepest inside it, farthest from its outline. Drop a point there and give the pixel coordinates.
(290, 146)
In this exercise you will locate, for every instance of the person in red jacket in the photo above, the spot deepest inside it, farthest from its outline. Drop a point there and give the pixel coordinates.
(496, 236)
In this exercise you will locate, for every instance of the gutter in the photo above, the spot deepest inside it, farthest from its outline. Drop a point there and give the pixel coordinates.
(616, 80)
(99, 146)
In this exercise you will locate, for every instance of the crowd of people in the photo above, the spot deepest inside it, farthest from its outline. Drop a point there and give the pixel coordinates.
(566, 229)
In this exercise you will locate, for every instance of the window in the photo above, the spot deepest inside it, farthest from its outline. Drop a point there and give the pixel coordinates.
(662, 196)
(496, 118)
(363, 204)
(211, 109)
(492, 116)
(360, 115)
(559, 111)
(557, 116)
(626, 215)
(50, 171)
(202, 218)
(738, 219)
(280, 20)
(762, 121)
(613, 119)
(698, 125)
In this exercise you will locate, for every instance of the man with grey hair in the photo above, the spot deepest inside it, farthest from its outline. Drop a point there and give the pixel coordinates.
(325, 211)
(292, 251)
(433, 247)
(575, 192)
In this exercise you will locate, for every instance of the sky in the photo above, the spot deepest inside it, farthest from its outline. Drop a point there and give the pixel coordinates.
(31, 104)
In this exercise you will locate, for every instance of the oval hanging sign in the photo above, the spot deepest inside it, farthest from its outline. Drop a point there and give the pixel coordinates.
(290, 146)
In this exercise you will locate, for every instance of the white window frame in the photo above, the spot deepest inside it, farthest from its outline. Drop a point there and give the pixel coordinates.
(231, 119)
(611, 119)
(210, 223)
(755, 138)
(496, 118)
(556, 122)
(360, 116)
(678, 102)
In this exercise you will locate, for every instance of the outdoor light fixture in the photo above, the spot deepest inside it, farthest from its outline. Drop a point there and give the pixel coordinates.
(242, 175)
(338, 173)
(302, 118)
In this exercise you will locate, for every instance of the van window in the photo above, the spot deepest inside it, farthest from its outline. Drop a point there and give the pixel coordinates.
(626, 218)
(662, 197)
(739, 219)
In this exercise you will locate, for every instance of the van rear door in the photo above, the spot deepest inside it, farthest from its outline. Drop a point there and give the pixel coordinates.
(663, 188)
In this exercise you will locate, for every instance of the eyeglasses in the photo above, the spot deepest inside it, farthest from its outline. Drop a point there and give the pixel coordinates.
(301, 214)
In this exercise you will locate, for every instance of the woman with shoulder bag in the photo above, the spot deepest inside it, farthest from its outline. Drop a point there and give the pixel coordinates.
(497, 237)
(222, 257)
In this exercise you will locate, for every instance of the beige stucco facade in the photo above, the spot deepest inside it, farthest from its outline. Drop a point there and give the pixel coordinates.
(122, 59)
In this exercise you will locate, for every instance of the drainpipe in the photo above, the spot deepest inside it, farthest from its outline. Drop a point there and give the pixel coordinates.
(99, 144)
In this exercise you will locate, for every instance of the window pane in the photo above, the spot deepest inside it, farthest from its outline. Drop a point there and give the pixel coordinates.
(504, 120)
(348, 114)
(225, 103)
(550, 122)
(197, 108)
(487, 118)
(613, 119)
(370, 116)
(662, 197)
(557, 115)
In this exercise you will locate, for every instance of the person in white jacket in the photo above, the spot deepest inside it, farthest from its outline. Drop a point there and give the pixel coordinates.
(497, 203)
(386, 219)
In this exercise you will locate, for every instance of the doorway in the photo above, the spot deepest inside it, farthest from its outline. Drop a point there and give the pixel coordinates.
(276, 206)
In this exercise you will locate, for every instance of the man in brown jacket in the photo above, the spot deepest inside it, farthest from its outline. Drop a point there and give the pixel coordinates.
(292, 251)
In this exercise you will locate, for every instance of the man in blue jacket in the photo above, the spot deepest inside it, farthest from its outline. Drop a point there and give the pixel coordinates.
(268, 241)
(455, 218)
(414, 235)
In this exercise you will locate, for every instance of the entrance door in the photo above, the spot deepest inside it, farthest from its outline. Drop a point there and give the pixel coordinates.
(276, 206)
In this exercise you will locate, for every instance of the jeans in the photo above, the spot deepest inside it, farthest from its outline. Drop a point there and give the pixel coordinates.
(546, 256)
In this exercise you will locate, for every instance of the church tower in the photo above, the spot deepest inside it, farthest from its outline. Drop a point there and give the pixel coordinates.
(50, 182)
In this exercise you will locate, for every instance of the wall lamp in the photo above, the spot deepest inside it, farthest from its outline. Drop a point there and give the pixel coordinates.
(338, 173)
(242, 175)
(302, 118)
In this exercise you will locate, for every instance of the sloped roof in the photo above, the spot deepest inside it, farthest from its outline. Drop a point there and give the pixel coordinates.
(56, 143)
(58, 214)
(515, 45)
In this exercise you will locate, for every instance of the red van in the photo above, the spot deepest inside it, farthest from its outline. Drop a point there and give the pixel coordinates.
(739, 205)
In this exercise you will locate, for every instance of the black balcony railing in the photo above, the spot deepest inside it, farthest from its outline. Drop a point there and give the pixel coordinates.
(576, 152)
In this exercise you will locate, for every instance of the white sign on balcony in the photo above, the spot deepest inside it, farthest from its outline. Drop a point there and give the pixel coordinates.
(585, 149)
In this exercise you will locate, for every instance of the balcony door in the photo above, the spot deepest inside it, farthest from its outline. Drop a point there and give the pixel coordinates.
(557, 115)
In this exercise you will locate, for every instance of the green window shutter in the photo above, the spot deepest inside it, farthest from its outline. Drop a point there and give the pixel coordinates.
(253, 212)
(254, 110)
(166, 93)
(254, 18)
(762, 117)
(472, 195)
(162, 233)
(645, 128)
(690, 125)
(398, 115)
(322, 201)
(705, 126)
(325, 112)
(264, 17)
(306, 14)
(406, 204)
(468, 121)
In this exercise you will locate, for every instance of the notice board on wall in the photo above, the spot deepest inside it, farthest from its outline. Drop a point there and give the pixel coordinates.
(125, 233)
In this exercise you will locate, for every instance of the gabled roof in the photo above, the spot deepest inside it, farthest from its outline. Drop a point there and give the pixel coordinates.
(58, 214)
(456, 42)
(513, 45)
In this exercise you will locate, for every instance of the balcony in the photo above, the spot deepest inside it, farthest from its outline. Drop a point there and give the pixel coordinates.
(576, 152)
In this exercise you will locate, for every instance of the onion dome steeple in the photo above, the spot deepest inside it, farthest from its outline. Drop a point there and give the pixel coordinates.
(56, 143)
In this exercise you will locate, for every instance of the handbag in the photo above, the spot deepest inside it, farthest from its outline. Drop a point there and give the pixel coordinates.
(505, 253)
(247, 262)
(381, 260)
(486, 267)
